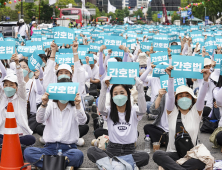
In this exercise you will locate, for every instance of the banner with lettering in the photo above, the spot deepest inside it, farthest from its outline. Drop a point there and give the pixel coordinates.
(7, 48)
(159, 57)
(177, 82)
(34, 62)
(63, 35)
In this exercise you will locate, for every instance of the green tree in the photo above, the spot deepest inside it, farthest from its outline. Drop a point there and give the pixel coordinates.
(7, 11)
(149, 14)
(65, 2)
(139, 12)
(29, 10)
(113, 16)
(126, 12)
(119, 14)
(103, 13)
(175, 16)
(155, 18)
(98, 13)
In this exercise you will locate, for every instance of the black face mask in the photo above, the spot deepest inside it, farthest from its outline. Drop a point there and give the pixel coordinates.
(71, 22)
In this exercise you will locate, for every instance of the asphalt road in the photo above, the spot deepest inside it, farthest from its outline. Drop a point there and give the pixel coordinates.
(204, 138)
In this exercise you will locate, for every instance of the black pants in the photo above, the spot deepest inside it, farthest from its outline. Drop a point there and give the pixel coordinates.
(206, 111)
(99, 132)
(219, 138)
(167, 160)
(94, 154)
(155, 134)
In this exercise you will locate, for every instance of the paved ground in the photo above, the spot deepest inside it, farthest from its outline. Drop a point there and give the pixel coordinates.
(204, 138)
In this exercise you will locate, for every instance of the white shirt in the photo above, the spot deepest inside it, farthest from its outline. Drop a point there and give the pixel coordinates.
(36, 89)
(22, 30)
(191, 122)
(219, 104)
(61, 126)
(164, 120)
(123, 132)
(20, 106)
(154, 83)
(95, 73)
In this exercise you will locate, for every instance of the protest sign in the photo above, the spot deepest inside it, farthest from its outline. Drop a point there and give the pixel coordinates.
(37, 44)
(7, 48)
(34, 62)
(26, 51)
(62, 91)
(63, 35)
(187, 67)
(159, 70)
(177, 82)
(176, 49)
(94, 47)
(91, 59)
(116, 52)
(145, 46)
(217, 59)
(113, 40)
(65, 59)
(123, 72)
(159, 57)
(65, 51)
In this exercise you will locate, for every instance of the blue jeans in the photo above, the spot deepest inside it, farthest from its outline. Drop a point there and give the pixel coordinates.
(32, 154)
(148, 105)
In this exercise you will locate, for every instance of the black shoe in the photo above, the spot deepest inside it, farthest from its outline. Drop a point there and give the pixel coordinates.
(94, 115)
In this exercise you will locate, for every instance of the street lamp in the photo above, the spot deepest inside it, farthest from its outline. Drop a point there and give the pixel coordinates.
(205, 16)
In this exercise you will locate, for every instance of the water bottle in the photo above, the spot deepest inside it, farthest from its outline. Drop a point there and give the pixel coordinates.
(147, 141)
(87, 109)
(94, 107)
(59, 152)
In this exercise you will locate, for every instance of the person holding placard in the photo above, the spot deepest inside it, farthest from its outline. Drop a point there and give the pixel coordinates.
(62, 119)
(14, 90)
(122, 119)
(22, 30)
(184, 112)
(65, 71)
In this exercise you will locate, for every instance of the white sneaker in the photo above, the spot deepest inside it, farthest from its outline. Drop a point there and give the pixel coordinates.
(41, 140)
(69, 168)
(80, 142)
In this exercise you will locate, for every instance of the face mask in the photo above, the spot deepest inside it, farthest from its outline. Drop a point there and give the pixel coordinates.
(120, 100)
(63, 101)
(25, 72)
(9, 91)
(184, 103)
(31, 74)
(43, 64)
(63, 76)
(0, 75)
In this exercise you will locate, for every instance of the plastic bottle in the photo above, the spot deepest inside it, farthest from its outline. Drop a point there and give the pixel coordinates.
(87, 109)
(59, 152)
(147, 141)
(94, 107)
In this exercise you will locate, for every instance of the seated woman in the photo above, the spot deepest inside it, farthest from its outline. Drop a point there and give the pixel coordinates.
(184, 103)
(122, 120)
(62, 119)
(160, 128)
(15, 91)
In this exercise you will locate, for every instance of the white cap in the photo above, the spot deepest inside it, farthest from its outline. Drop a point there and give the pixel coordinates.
(21, 21)
(184, 88)
(11, 77)
(215, 75)
(111, 60)
(64, 66)
(95, 57)
(10, 71)
(207, 61)
(142, 59)
(33, 22)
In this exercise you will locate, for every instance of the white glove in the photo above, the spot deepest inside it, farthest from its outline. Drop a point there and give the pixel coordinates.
(139, 85)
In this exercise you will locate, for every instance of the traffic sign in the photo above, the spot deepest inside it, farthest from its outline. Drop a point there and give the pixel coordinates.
(192, 17)
(189, 12)
(159, 16)
(207, 17)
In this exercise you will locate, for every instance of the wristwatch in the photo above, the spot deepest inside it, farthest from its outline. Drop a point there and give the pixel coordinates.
(18, 66)
(75, 53)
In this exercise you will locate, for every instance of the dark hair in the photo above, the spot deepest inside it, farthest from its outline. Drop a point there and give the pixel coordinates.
(43, 56)
(5, 63)
(118, 59)
(62, 81)
(219, 83)
(24, 60)
(20, 25)
(114, 112)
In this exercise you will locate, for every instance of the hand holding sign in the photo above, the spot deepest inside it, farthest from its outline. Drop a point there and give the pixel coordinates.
(168, 71)
(206, 74)
(45, 98)
(36, 74)
(15, 58)
(75, 47)
(77, 101)
(162, 92)
(103, 47)
(53, 46)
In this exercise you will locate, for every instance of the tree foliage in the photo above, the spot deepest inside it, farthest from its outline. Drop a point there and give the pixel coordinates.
(126, 12)
(7, 11)
(119, 14)
(98, 13)
(139, 12)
